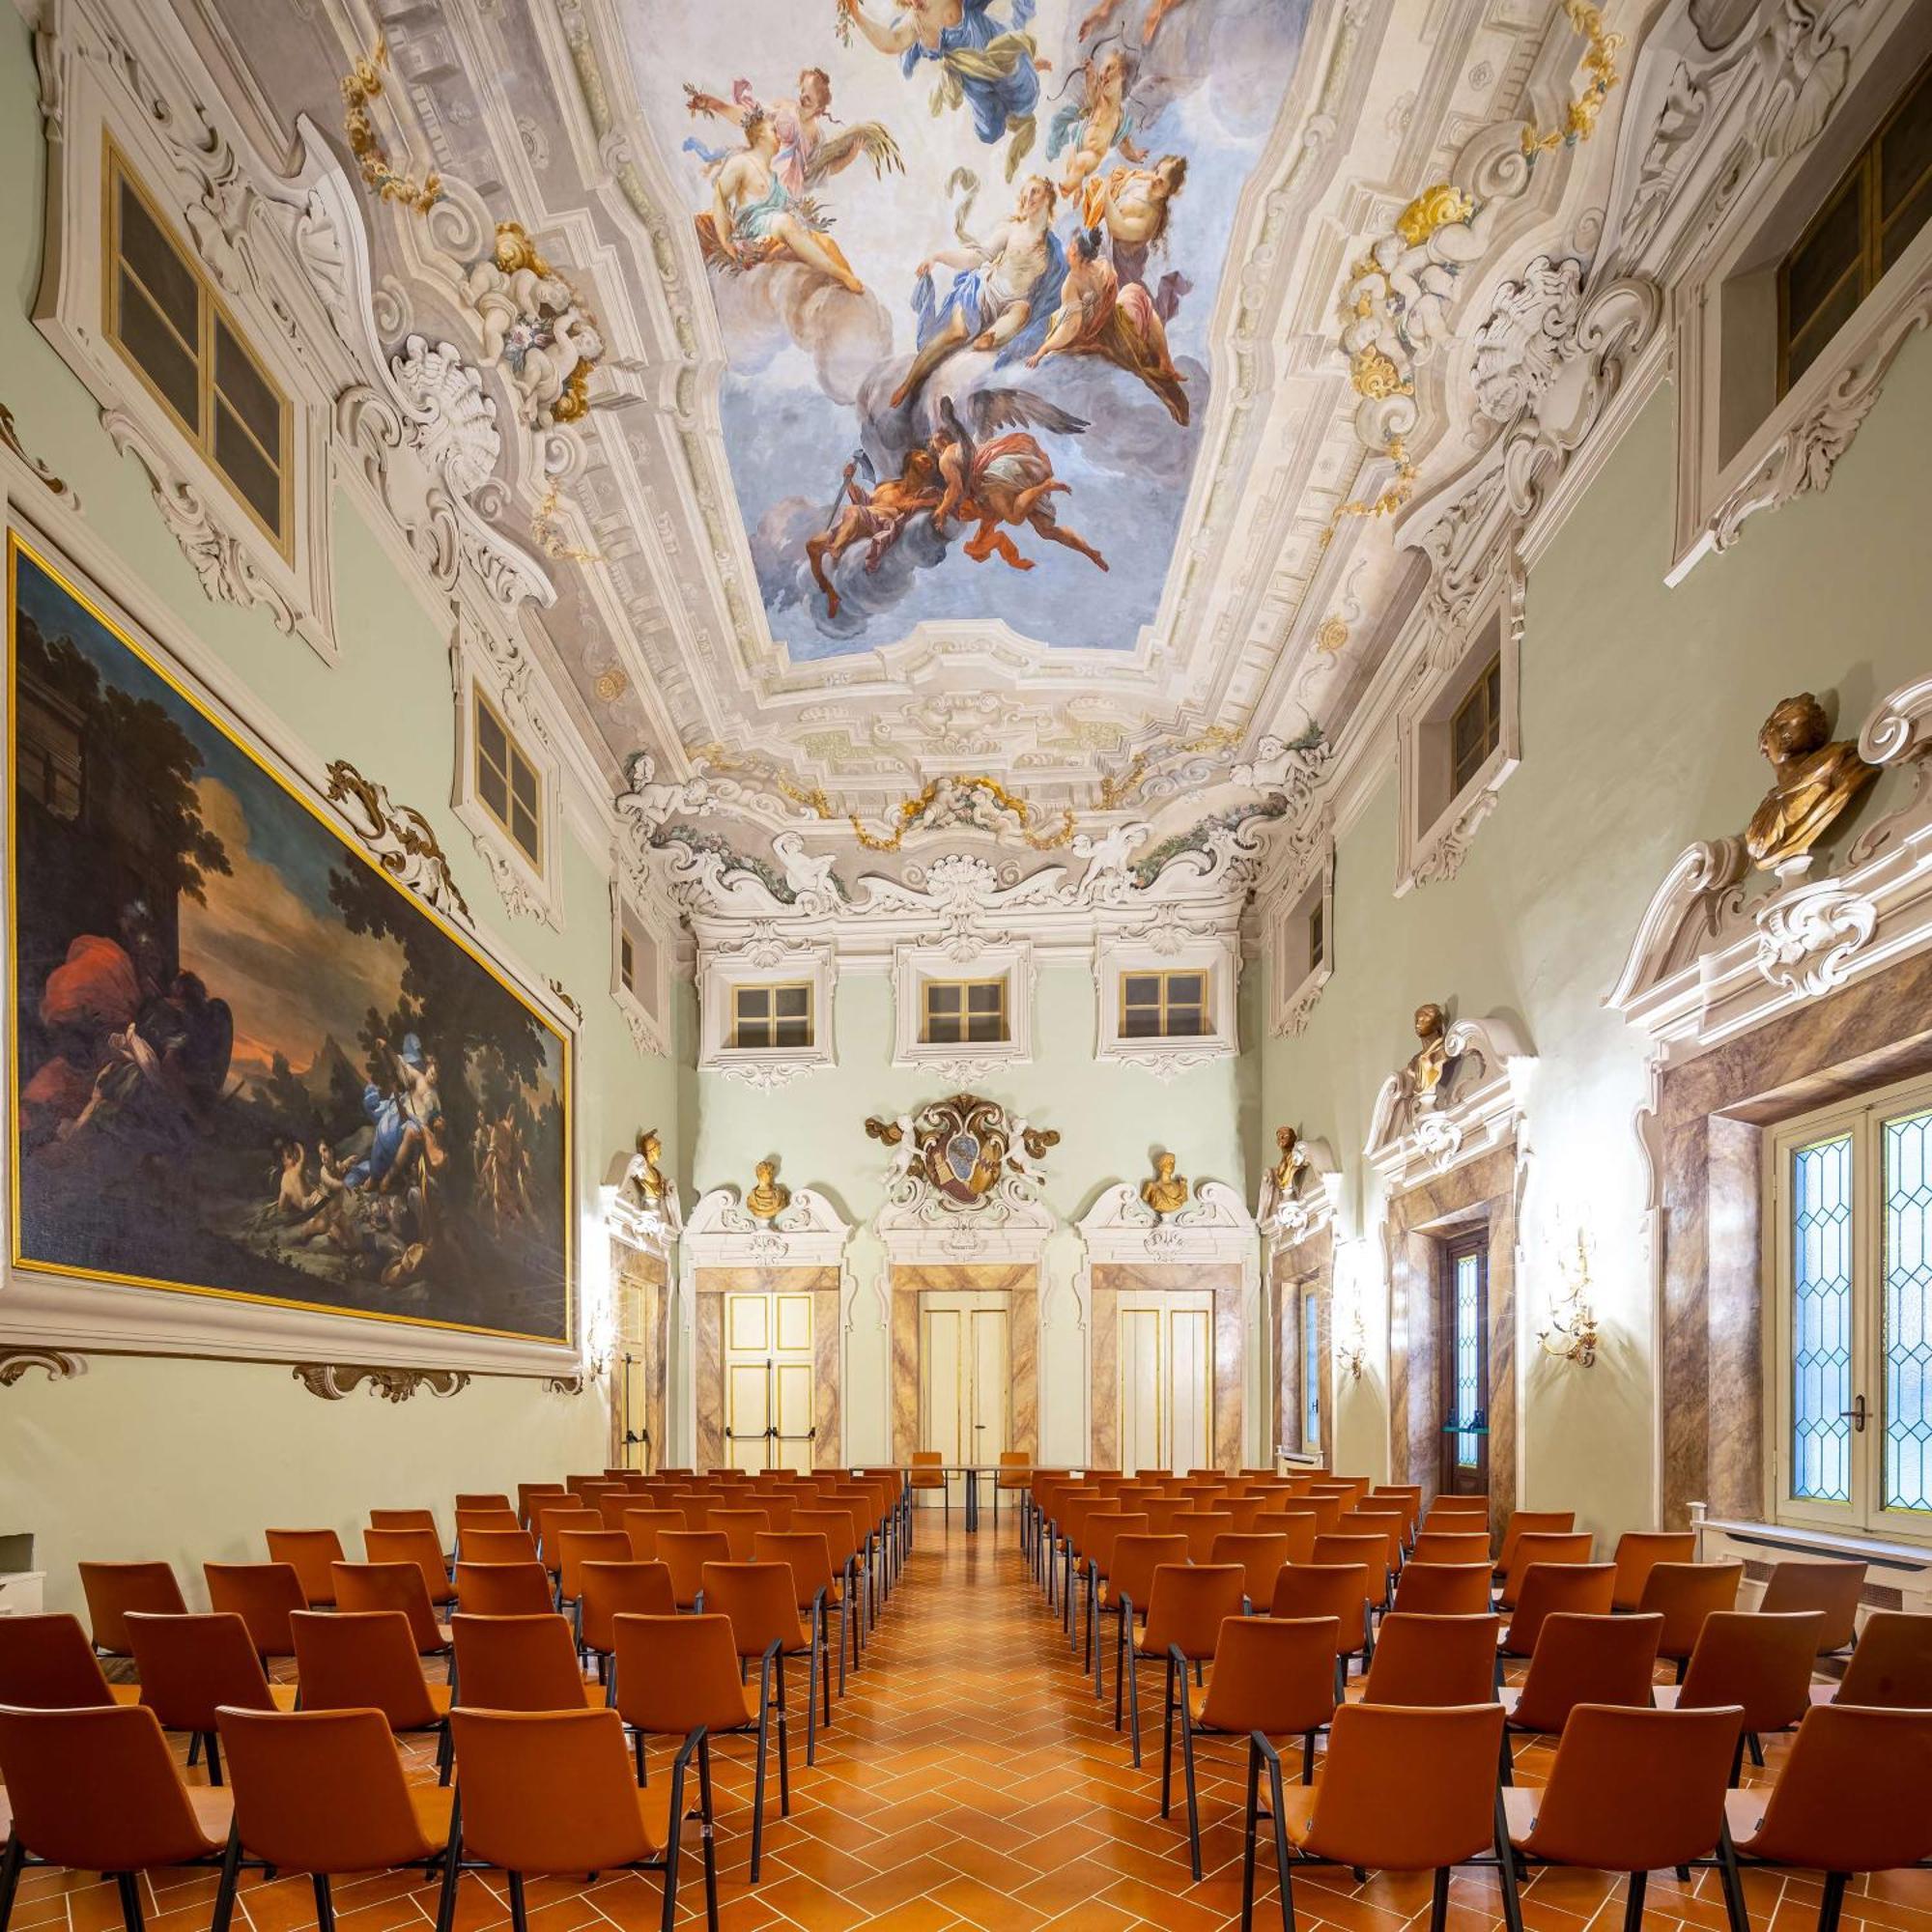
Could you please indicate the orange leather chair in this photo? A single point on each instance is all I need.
(1186, 1607)
(815, 1588)
(685, 1554)
(1296, 1528)
(97, 1790)
(578, 1547)
(1433, 1662)
(323, 1791)
(1851, 1798)
(1547, 1547)
(1833, 1589)
(1684, 1594)
(670, 1676)
(1582, 1660)
(1638, 1552)
(841, 1539)
(1104, 1529)
(1262, 1557)
(417, 1545)
(496, 1546)
(739, 1527)
(1634, 1791)
(1582, 1588)
(503, 1590)
(191, 1664)
(1337, 1590)
(497, 1522)
(1124, 1591)
(1274, 1677)
(1201, 1526)
(46, 1664)
(1758, 1660)
(552, 1520)
(519, 1664)
(404, 1519)
(1532, 1522)
(1451, 1546)
(530, 1496)
(367, 1659)
(483, 1499)
(393, 1586)
(1370, 1553)
(1401, 1790)
(263, 1596)
(113, 1589)
(1443, 1589)
(760, 1601)
(309, 1553)
(611, 1590)
(641, 1524)
(1892, 1667)
(595, 1818)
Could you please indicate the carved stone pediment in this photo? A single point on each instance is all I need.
(1713, 957)
(1308, 1202)
(1215, 1226)
(1475, 1108)
(807, 1231)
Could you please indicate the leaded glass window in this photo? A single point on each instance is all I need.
(1468, 1356)
(1821, 1326)
(1311, 1374)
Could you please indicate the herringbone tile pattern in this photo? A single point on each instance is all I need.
(971, 1781)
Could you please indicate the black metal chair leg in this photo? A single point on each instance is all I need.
(12, 1858)
(709, 1835)
(325, 1903)
(1187, 1777)
(1639, 1884)
(1506, 1865)
(1737, 1914)
(1250, 1826)
(128, 1886)
(1278, 1808)
(784, 1748)
(214, 1758)
(1167, 1740)
(225, 1892)
(452, 1871)
(1830, 1912)
(758, 1787)
(1438, 1900)
(519, 1915)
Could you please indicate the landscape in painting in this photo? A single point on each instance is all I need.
(965, 255)
(245, 1062)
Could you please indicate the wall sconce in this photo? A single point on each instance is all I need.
(1352, 1353)
(1352, 1334)
(1571, 1334)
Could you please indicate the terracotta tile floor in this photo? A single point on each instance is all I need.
(971, 1781)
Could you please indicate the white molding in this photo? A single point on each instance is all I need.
(1167, 944)
(1215, 1226)
(649, 1022)
(1292, 1003)
(963, 957)
(922, 1226)
(1309, 1204)
(1477, 1108)
(751, 956)
(807, 1231)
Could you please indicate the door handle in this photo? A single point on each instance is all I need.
(1856, 1412)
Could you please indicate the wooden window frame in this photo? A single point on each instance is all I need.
(929, 986)
(1484, 695)
(505, 820)
(1163, 1006)
(738, 988)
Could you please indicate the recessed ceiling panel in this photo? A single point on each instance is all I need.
(966, 257)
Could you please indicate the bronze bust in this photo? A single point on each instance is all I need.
(1817, 780)
(1164, 1190)
(767, 1199)
(1423, 1076)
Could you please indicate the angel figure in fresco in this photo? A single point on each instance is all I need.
(1097, 123)
(1098, 17)
(1098, 316)
(1004, 290)
(754, 219)
(807, 154)
(993, 69)
(873, 516)
(1003, 478)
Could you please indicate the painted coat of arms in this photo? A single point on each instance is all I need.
(962, 1147)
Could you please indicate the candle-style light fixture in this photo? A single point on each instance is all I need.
(1570, 1334)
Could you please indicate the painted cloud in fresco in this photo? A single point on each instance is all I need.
(965, 255)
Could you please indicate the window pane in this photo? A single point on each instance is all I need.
(256, 481)
(247, 390)
(491, 742)
(1906, 224)
(523, 781)
(1141, 1023)
(1905, 156)
(1141, 989)
(1316, 937)
(942, 997)
(1908, 1311)
(1825, 323)
(1311, 1373)
(1823, 258)
(1186, 1022)
(627, 966)
(1468, 1356)
(793, 1001)
(1821, 1321)
(982, 1028)
(155, 259)
(753, 1033)
(985, 999)
(1187, 989)
(753, 1002)
(491, 789)
(794, 1032)
(156, 351)
(524, 830)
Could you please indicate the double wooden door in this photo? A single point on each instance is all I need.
(769, 1370)
(965, 1376)
(1166, 1382)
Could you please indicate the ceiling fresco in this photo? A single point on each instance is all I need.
(965, 255)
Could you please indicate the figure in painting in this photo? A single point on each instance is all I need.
(874, 517)
(1097, 122)
(807, 152)
(1005, 478)
(1098, 17)
(1004, 290)
(1098, 316)
(754, 219)
(1132, 207)
(1164, 1190)
(1816, 782)
(992, 69)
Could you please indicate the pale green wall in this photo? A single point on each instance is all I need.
(191, 1460)
(1111, 1118)
(1640, 708)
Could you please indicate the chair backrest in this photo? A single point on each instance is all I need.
(805, 1553)
(516, 1663)
(113, 1589)
(552, 1520)
(1338, 1590)
(550, 1791)
(1188, 1604)
(503, 1590)
(641, 1524)
(1433, 1660)
(1276, 1676)
(1014, 1467)
(1408, 1790)
(362, 1660)
(1104, 1528)
(1684, 1594)
(1586, 1660)
(1391, 1524)
(739, 1527)
(321, 1791)
(308, 1552)
(1451, 1546)
(1833, 1589)
(1371, 1552)
(1640, 1551)
(262, 1595)
(482, 1499)
(421, 1547)
(622, 1589)
(1200, 1527)
(836, 1526)
(1443, 1589)
(1544, 1588)
(1546, 1547)
(469, 1520)
(497, 1546)
(1892, 1667)
(761, 1600)
(685, 1554)
(96, 1788)
(1758, 1658)
(1163, 1514)
(1636, 1790)
(1298, 1531)
(192, 1663)
(578, 1547)
(1851, 1797)
(391, 1586)
(404, 1519)
(777, 1501)
(1136, 1558)
(46, 1664)
(1533, 1522)
(1261, 1557)
(532, 1496)
(674, 1673)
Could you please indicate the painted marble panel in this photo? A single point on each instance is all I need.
(1020, 1282)
(1223, 1280)
(822, 1283)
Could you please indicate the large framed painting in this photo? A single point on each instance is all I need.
(245, 1062)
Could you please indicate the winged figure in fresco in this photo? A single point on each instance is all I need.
(1121, 324)
(996, 473)
(875, 516)
(807, 153)
(1097, 121)
(755, 218)
(990, 67)
(1157, 11)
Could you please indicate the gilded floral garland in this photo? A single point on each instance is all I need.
(360, 85)
(1600, 63)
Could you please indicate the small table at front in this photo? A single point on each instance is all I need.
(971, 1472)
